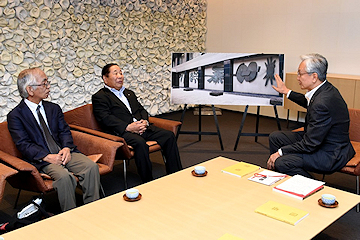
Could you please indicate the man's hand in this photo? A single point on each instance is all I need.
(271, 161)
(65, 155)
(53, 158)
(62, 158)
(138, 127)
(280, 88)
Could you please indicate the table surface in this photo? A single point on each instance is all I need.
(181, 206)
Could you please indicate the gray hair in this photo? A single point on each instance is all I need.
(315, 63)
(26, 78)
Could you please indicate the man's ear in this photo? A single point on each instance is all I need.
(315, 76)
(30, 90)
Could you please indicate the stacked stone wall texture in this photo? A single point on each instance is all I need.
(71, 40)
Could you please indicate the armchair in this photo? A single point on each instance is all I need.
(83, 119)
(28, 177)
(353, 166)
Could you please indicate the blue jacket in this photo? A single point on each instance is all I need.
(27, 135)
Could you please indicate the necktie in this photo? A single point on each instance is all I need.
(53, 147)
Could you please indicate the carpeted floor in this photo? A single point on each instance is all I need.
(193, 152)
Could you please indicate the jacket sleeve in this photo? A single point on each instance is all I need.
(298, 98)
(30, 149)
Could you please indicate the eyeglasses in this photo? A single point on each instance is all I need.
(300, 74)
(45, 84)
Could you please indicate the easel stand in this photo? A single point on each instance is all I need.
(199, 133)
(256, 134)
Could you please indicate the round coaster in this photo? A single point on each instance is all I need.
(198, 175)
(132, 199)
(328, 205)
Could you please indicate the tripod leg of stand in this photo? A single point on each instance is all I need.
(277, 118)
(181, 120)
(217, 127)
(241, 127)
(257, 123)
(199, 123)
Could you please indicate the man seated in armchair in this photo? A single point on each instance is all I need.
(41, 134)
(120, 113)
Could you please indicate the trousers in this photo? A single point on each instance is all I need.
(166, 139)
(290, 164)
(65, 182)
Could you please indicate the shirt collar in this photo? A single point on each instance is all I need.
(32, 105)
(310, 94)
(116, 91)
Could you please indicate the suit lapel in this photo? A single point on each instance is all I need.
(116, 100)
(27, 114)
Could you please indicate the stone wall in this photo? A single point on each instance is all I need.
(72, 40)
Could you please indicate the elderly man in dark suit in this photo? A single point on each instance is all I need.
(41, 134)
(119, 112)
(324, 145)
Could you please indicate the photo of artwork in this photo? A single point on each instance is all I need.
(226, 78)
(214, 77)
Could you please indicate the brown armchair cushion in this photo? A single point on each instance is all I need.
(82, 119)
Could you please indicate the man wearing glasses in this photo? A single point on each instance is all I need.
(324, 145)
(41, 134)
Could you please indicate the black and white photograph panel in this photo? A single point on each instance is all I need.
(226, 78)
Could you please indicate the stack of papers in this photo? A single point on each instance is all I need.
(241, 169)
(267, 177)
(299, 187)
(282, 212)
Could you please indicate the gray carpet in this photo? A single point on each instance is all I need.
(193, 152)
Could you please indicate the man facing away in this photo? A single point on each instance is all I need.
(324, 145)
(41, 134)
(119, 112)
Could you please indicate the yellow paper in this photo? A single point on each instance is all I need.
(282, 212)
(240, 169)
(228, 236)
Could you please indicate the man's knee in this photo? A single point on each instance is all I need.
(275, 135)
(66, 178)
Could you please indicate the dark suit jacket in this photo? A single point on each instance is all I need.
(112, 113)
(27, 135)
(325, 144)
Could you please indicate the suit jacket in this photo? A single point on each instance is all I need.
(326, 144)
(28, 137)
(111, 112)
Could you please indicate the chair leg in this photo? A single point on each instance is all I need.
(124, 161)
(163, 157)
(358, 193)
(102, 191)
(17, 199)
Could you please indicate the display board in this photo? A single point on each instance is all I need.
(226, 78)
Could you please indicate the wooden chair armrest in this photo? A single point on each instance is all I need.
(165, 124)
(298, 129)
(90, 144)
